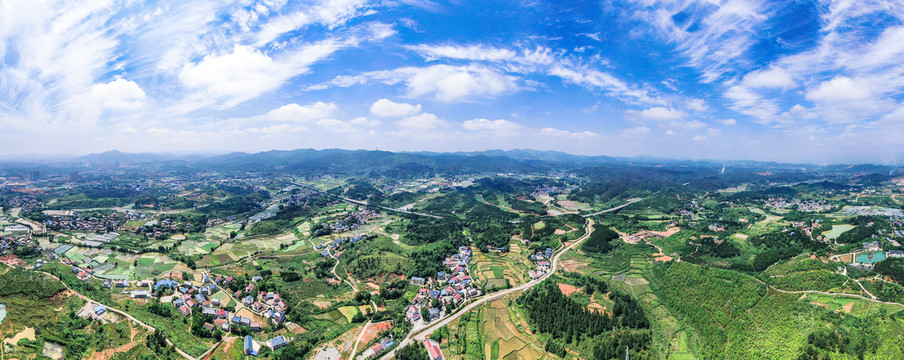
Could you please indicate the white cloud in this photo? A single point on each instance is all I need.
(693, 124)
(552, 132)
(119, 94)
(336, 125)
(715, 35)
(470, 52)
(425, 121)
(388, 108)
(298, 113)
(801, 112)
(769, 78)
(671, 133)
(327, 12)
(729, 122)
(697, 105)
(604, 81)
(445, 83)
(363, 121)
(541, 60)
(244, 74)
(638, 131)
(453, 84)
(493, 126)
(658, 114)
(841, 88)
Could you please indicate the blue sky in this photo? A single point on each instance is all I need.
(794, 80)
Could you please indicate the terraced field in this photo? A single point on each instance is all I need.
(503, 339)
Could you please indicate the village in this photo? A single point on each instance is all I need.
(443, 293)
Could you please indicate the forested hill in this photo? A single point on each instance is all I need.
(380, 163)
(699, 174)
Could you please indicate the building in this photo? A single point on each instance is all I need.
(419, 281)
(255, 326)
(100, 310)
(433, 350)
(249, 346)
(895, 254)
(278, 342)
(873, 246)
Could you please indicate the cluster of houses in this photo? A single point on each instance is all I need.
(353, 220)
(448, 288)
(802, 205)
(339, 243)
(377, 348)
(143, 291)
(541, 263)
(99, 224)
(808, 227)
(188, 297)
(269, 305)
(252, 347)
(545, 190)
(159, 229)
(7, 243)
(81, 274)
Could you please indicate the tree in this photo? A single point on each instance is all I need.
(414, 351)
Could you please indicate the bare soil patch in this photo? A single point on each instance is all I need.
(568, 289)
(375, 330)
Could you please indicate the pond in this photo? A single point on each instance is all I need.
(871, 258)
(2, 312)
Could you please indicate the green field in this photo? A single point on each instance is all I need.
(349, 312)
(837, 230)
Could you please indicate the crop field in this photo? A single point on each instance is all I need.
(837, 230)
(503, 339)
(349, 312)
(191, 247)
(851, 305)
(153, 264)
(803, 273)
(494, 269)
(332, 315)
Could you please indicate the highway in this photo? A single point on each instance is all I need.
(630, 201)
(364, 203)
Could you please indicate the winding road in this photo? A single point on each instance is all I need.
(126, 315)
(423, 332)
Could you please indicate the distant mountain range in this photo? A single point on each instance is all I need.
(425, 163)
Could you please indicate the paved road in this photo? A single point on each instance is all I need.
(421, 334)
(630, 201)
(364, 203)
